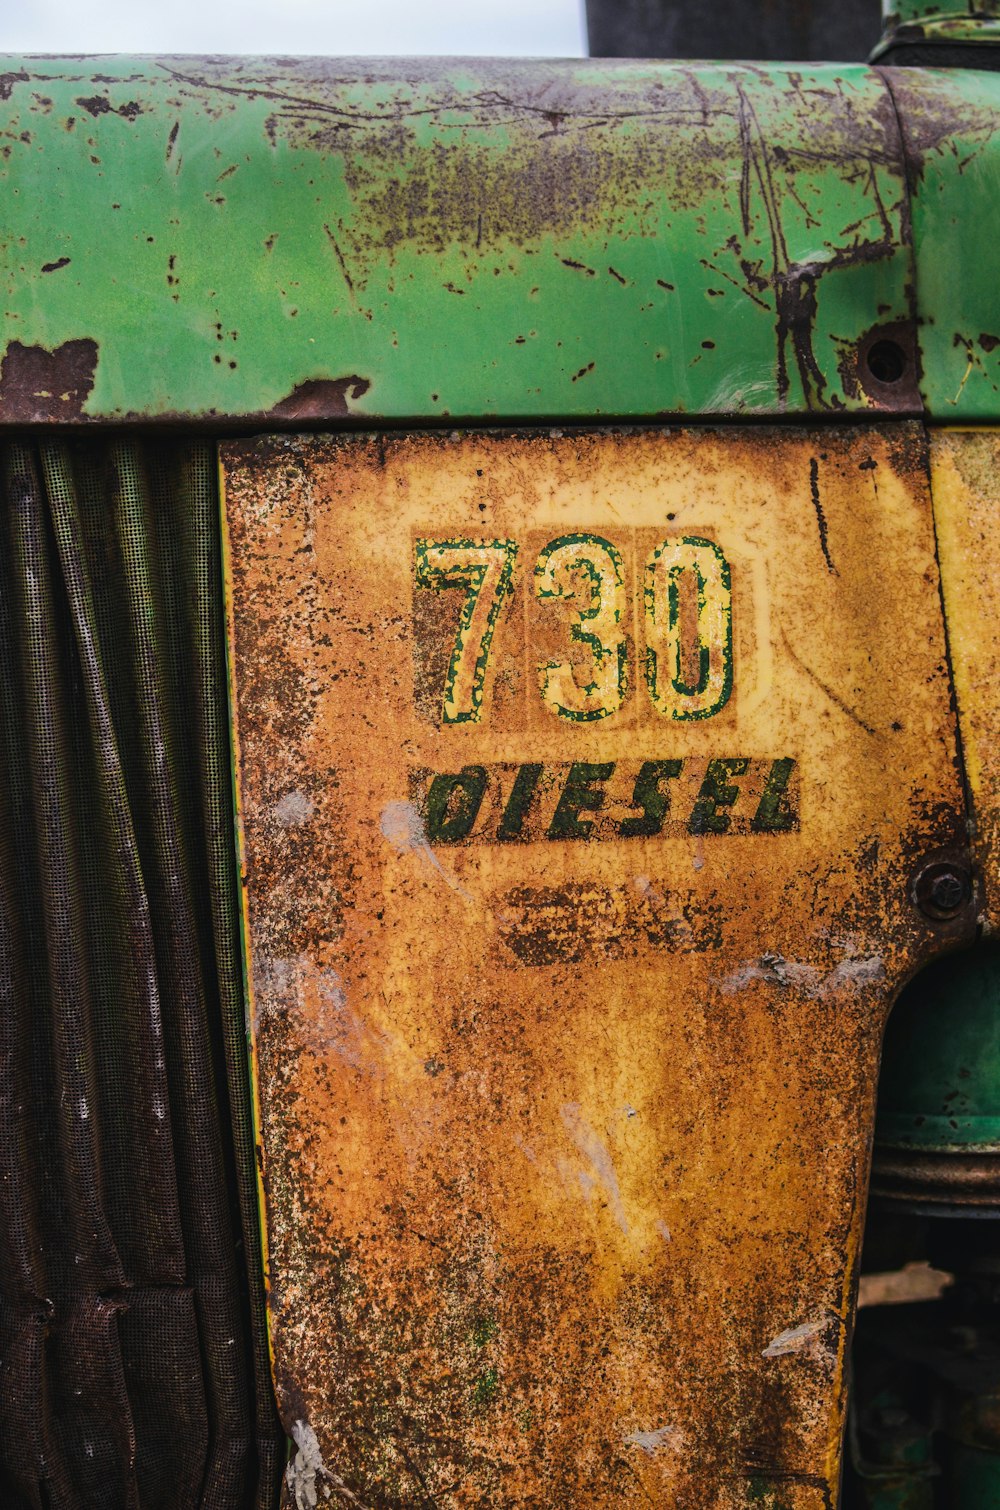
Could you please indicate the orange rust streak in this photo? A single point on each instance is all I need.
(963, 475)
(566, 1141)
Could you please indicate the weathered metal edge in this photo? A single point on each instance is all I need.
(949, 119)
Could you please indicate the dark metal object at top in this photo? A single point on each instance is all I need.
(774, 30)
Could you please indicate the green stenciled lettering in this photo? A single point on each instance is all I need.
(774, 813)
(717, 792)
(585, 574)
(648, 795)
(519, 802)
(578, 796)
(483, 570)
(689, 666)
(453, 804)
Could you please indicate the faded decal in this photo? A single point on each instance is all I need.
(607, 800)
(569, 620)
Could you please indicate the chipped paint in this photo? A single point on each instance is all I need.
(435, 240)
(38, 386)
(551, 1169)
(948, 120)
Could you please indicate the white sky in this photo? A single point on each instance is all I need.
(526, 28)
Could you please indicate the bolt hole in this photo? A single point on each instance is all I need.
(886, 361)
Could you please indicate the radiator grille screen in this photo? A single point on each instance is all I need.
(133, 1358)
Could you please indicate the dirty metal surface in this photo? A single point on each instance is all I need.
(917, 14)
(583, 782)
(304, 241)
(965, 472)
(949, 120)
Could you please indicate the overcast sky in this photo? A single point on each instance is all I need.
(526, 28)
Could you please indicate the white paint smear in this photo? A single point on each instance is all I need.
(308, 1477)
(652, 1441)
(807, 979)
(306, 1474)
(403, 826)
(795, 1338)
(293, 809)
(597, 1156)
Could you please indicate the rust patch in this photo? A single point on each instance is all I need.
(320, 398)
(566, 1128)
(40, 387)
(547, 925)
(8, 80)
(964, 468)
(99, 104)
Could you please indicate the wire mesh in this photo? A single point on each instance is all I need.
(133, 1352)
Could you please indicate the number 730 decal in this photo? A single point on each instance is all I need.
(686, 612)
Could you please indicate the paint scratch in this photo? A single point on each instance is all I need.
(820, 515)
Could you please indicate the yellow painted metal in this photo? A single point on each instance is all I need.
(584, 779)
(965, 471)
(244, 899)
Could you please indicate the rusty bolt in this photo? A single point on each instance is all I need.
(941, 890)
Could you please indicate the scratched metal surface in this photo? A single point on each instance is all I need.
(964, 467)
(949, 124)
(567, 1106)
(294, 241)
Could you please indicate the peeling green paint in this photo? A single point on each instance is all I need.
(412, 240)
(948, 118)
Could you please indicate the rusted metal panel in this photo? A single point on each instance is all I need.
(965, 466)
(585, 782)
(303, 241)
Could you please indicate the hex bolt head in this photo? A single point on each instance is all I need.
(942, 889)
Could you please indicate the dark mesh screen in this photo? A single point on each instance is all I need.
(133, 1354)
